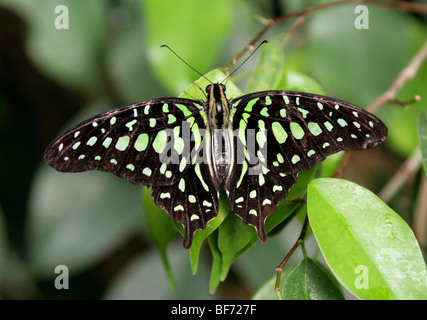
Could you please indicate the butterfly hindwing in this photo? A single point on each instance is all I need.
(255, 196)
(303, 129)
(192, 200)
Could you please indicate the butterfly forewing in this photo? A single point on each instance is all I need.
(141, 142)
(303, 129)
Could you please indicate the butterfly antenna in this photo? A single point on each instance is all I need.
(166, 46)
(234, 71)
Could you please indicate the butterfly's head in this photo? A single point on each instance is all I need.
(214, 89)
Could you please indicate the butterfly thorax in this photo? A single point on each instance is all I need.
(219, 124)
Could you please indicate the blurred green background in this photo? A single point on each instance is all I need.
(109, 56)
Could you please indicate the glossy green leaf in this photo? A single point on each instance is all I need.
(266, 291)
(422, 134)
(216, 268)
(309, 281)
(197, 89)
(201, 235)
(234, 234)
(268, 71)
(187, 36)
(296, 81)
(369, 248)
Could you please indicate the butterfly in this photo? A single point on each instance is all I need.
(253, 146)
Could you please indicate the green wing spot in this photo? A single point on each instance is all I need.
(160, 141)
(342, 122)
(250, 104)
(244, 169)
(184, 109)
(171, 118)
(106, 143)
(178, 144)
(141, 142)
(199, 175)
(122, 143)
(165, 108)
(279, 132)
(297, 131)
(304, 112)
(264, 112)
(91, 141)
(295, 159)
(328, 126)
(242, 130)
(314, 128)
(153, 122)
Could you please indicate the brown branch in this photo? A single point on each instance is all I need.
(406, 170)
(404, 6)
(406, 74)
(300, 239)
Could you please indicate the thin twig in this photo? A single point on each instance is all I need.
(405, 6)
(339, 173)
(279, 269)
(406, 74)
(390, 96)
(406, 170)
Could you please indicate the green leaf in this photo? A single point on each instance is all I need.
(201, 235)
(296, 81)
(234, 234)
(368, 247)
(422, 134)
(266, 291)
(216, 269)
(187, 36)
(196, 90)
(309, 281)
(268, 71)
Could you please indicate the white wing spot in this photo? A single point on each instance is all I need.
(253, 211)
(76, 145)
(266, 201)
(92, 141)
(165, 195)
